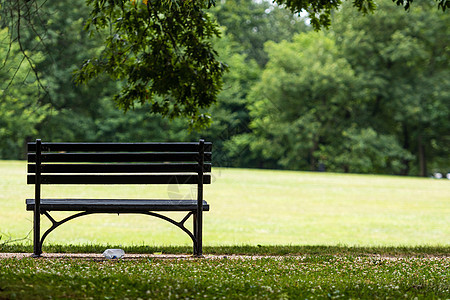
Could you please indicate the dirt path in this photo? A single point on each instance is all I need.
(131, 256)
(95, 256)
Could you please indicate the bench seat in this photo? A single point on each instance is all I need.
(116, 205)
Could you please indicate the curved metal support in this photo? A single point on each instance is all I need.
(56, 224)
(178, 224)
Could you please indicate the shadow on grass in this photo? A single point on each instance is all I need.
(240, 250)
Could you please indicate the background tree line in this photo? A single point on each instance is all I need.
(369, 95)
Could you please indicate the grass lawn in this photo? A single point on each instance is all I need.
(348, 273)
(254, 207)
(300, 229)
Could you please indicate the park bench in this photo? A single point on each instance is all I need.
(114, 164)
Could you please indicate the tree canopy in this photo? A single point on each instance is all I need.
(320, 11)
(368, 95)
(161, 51)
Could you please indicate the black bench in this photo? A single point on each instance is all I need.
(119, 163)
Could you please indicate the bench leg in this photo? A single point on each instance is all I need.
(37, 246)
(198, 232)
(194, 216)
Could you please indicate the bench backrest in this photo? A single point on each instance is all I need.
(119, 163)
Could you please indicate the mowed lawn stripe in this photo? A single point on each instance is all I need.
(254, 207)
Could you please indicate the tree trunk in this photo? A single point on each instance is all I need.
(313, 161)
(422, 158)
(346, 169)
(405, 170)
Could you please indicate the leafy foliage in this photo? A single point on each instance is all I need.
(357, 98)
(162, 52)
(402, 62)
(19, 112)
(253, 23)
(320, 11)
(370, 98)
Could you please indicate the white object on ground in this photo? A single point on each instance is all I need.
(113, 253)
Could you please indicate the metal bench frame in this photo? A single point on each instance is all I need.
(119, 163)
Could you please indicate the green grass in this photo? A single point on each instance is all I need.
(258, 250)
(301, 277)
(254, 207)
(378, 237)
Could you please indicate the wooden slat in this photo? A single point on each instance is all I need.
(115, 205)
(119, 179)
(120, 147)
(119, 157)
(119, 168)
